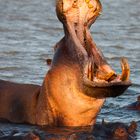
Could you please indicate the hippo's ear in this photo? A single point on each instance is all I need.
(132, 128)
(49, 62)
(104, 122)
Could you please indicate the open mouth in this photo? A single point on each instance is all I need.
(77, 16)
(97, 71)
(100, 79)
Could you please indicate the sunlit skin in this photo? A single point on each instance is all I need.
(79, 79)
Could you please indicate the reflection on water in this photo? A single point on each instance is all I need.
(29, 29)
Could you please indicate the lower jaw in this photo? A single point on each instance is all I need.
(104, 90)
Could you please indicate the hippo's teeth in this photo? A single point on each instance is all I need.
(90, 71)
(125, 69)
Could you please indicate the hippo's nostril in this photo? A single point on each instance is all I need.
(120, 132)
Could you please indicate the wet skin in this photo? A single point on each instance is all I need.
(103, 131)
(79, 79)
(135, 105)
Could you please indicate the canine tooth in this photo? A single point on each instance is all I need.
(125, 69)
(90, 71)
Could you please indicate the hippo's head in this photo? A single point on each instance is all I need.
(97, 75)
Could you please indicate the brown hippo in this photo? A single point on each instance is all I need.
(135, 105)
(78, 81)
(102, 131)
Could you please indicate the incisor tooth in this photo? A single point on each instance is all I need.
(125, 69)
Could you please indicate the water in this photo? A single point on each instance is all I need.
(29, 29)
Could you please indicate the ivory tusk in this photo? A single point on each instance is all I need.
(125, 69)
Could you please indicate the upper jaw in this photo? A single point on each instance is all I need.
(85, 11)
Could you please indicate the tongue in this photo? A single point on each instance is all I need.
(105, 73)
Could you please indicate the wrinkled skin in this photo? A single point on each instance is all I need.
(18, 102)
(78, 81)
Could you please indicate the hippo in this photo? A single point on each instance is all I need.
(135, 105)
(78, 81)
(101, 131)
